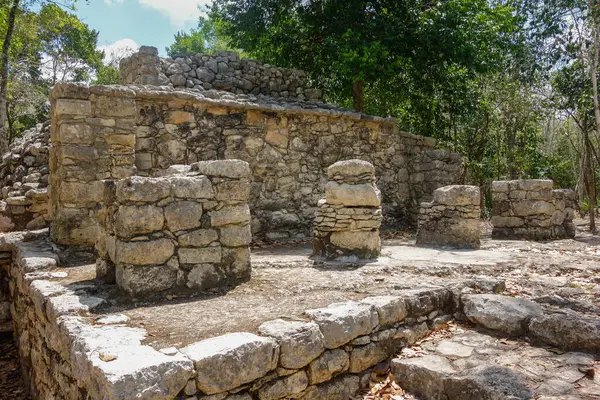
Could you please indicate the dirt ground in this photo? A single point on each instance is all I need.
(11, 381)
(286, 282)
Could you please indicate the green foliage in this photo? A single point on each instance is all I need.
(209, 37)
(107, 75)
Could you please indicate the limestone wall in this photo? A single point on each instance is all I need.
(24, 180)
(220, 71)
(103, 132)
(452, 218)
(180, 232)
(530, 209)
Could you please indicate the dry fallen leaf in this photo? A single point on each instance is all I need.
(107, 357)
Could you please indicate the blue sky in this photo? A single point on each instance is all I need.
(128, 24)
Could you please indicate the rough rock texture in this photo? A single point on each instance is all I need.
(173, 232)
(112, 132)
(347, 220)
(502, 313)
(24, 179)
(451, 219)
(530, 209)
(567, 331)
(221, 71)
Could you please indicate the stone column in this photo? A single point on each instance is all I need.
(347, 220)
(182, 232)
(143, 68)
(93, 138)
(451, 219)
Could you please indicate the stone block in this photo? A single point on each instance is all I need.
(300, 342)
(330, 364)
(192, 187)
(367, 242)
(535, 207)
(76, 134)
(115, 106)
(342, 322)
(152, 252)
(72, 107)
(200, 255)
(535, 185)
(457, 195)
(133, 220)
(390, 309)
(350, 168)
(284, 387)
(239, 214)
(364, 194)
(141, 189)
(230, 361)
(198, 238)
(145, 279)
(236, 235)
(234, 169)
(183, 215)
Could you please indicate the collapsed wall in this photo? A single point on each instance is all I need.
(102, 132)
(24, 180)
(221, 71)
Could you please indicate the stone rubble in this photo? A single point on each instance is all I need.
(221, 71)
(178, 232)
(531, 209)
(451, 219)
(24, 178)
(347, 220)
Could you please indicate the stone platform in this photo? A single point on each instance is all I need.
(301, 328)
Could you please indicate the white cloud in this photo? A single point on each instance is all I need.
(114, 52)
(179, 11)
(113, 2)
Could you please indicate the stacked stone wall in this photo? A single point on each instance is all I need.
(531, 209)
(221, 71)
(67, 353)
(5, 318)
(451, 219)
(24, 180)
(179, 232)
(104, 132)
(347, 220)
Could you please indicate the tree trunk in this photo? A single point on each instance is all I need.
(590, 182)
(594, 76)
(12, 14)
(357, 88)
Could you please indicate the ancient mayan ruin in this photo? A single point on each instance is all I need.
(210, 229)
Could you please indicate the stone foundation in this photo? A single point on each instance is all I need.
(451, 219)
(530, 209)
(188, 231)
(347, 220)
(68, 354)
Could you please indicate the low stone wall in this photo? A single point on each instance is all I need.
(452, 218)
(221, 71)
(67, 354)
(347, 220)
(5, 318)
(530, 209)
(24, 179)
(184, 231)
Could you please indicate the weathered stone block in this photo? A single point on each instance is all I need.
(200, 255)
(300, 342)
(143, 279)
(365, 194)
(350, 168)
(390, 309)
(192, 187)
(132, 220)
(457, 195)
(331, 363)
(199, 238)
(140, 189)
(157, 251)
(366, 243)
(234, 169)
(72, 107)
(229, 361)
(230, 215)
(183, 215)
(342, 322)
(236, 235)
(284, 387)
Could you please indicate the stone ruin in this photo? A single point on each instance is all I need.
(221, 71)
(183, 231)
(347, 220)
(170, 185)
(531, 209)
(452, 219)
(24, 177)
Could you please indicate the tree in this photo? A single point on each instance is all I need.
(353, 46)
(208, 37)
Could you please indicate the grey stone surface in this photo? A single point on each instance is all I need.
(506, 314)
(299, 342)
(342, 322)
(567, 330)
(229, 361)
(328, 365)
(284, 387)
